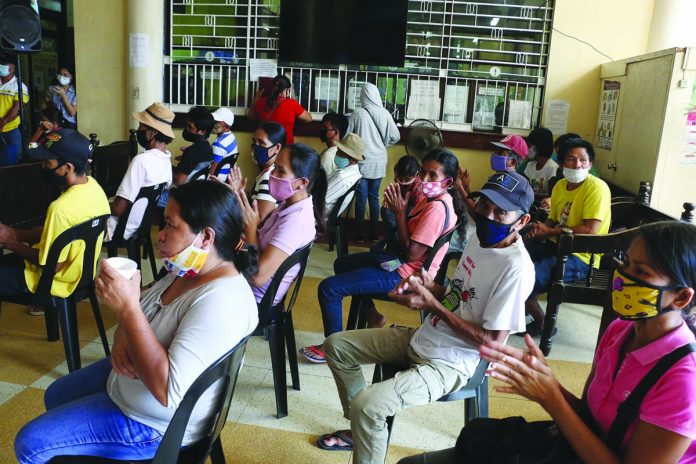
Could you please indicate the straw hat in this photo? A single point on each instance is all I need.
(353, 146)
(157, 116)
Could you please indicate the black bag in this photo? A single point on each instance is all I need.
(513, 440)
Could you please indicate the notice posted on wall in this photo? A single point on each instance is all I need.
(688, 154)
(607, 114)
(556, 116)
(138, 45)
(261, 67)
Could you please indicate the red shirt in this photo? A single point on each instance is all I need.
(285, 113)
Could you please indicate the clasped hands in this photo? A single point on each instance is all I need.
(415, 291)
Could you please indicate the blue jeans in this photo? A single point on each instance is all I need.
(356, 274)
(544, 258)
(367, 189)
(10, 147)
(81, 419)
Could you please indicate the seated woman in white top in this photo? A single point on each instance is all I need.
(120, 407)
(267, 142)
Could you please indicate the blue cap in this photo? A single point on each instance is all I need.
(64, 146)
(508, 190)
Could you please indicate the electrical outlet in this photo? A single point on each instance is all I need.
(135, 93)
(682, 84)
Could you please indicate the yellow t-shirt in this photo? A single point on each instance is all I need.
(592, 200)
(76, 205)
(8, 96)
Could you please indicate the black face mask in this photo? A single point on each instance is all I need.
(143, 141)
(50, 176)
(191, 137)
(322, 135)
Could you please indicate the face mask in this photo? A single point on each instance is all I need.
(50, 176)
(531, 153)
(191, 137)
(322, 135)
(4, 70)
(575, 176)
(188, 262)
(261, 155)
(634, 299)
(499, 163)
(143, 141)
(490, 232)
(280, 189)
(434, 189)
(63, 80)
(341, 162)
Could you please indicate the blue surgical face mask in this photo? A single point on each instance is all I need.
(341, 162)
(4, 70)
(499, 163)
(490, 232)
(260, 154)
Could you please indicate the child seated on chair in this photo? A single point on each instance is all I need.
(225, 145)
(120, 407)
(406, 175)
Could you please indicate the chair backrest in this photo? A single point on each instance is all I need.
(109, 165)
(439, 243)
(442, 272)
(25, 194)
(226, 370)
(629, 214)
(149, 195)
(266, 304)
(332, 219)
(88, 231)
(226, 162)
(200, 172)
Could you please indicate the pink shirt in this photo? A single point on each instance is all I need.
(288, 228)
(425, 225)
(670, 404)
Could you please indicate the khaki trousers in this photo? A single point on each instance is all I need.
(367, 407)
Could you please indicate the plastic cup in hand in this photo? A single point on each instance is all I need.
(126, 267)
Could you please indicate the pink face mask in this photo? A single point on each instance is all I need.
(280, 189)
(436, 188)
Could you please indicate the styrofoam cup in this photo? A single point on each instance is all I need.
(126, 267)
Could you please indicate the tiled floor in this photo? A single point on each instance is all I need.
(28, 364)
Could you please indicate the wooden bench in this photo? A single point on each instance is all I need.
(25, 195)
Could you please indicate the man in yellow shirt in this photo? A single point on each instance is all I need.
(580, 202)
(10, 137)
(64, 156)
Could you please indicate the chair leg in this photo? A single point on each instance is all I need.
(482, 395)
(133, 248)
(289, 329)
(151, 256)
(98, 320)
(111, 251)
(353, 313)
(217, 456)
(51, 320)
(555, 297)
(67, 315)
(277, 347)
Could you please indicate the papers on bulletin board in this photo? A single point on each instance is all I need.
(607, 114)
(353, 95)
(556, 117)
(688, 154)
(262, 67)
(520, 114)
(423, 107)
(326, 88)
(138, 50)
(456, 100)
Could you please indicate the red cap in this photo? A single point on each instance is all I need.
(514, 143)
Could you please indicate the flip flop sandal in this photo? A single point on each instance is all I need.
(342, 434)
(313, 354)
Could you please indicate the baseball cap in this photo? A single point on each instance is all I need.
(508, 190)
(514, 143)
(64, 146)
(224, 115)
(353, 146)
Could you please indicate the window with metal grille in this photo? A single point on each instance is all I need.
(469, 65)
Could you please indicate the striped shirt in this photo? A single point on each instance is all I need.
(338, 184)
(225, 145)
(261, 192)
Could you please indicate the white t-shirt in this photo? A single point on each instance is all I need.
(196, 329)
(327, 160)
(488, 289)
(539, 179)
(338, 184)
(151, 167)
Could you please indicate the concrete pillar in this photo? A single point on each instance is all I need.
(672, 24)
(145, 66)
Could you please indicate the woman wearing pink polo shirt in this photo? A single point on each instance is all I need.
(654, 297)
(435, 212)
(290, 226)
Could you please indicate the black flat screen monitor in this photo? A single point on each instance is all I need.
(371, 32)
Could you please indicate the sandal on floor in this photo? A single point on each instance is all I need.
(313, 354)
(343, 435)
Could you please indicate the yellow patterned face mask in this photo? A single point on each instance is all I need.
(634, 299)
(188, 262)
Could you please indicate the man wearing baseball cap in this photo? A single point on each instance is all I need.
(349, 151)
(226, 143)
(512, 150)
(64, 157)
(484, 301)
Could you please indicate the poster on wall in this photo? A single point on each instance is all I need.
(688, 154)
(556, 116)
(607, 115)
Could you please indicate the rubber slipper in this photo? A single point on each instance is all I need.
(342, 434)
(313, 354)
